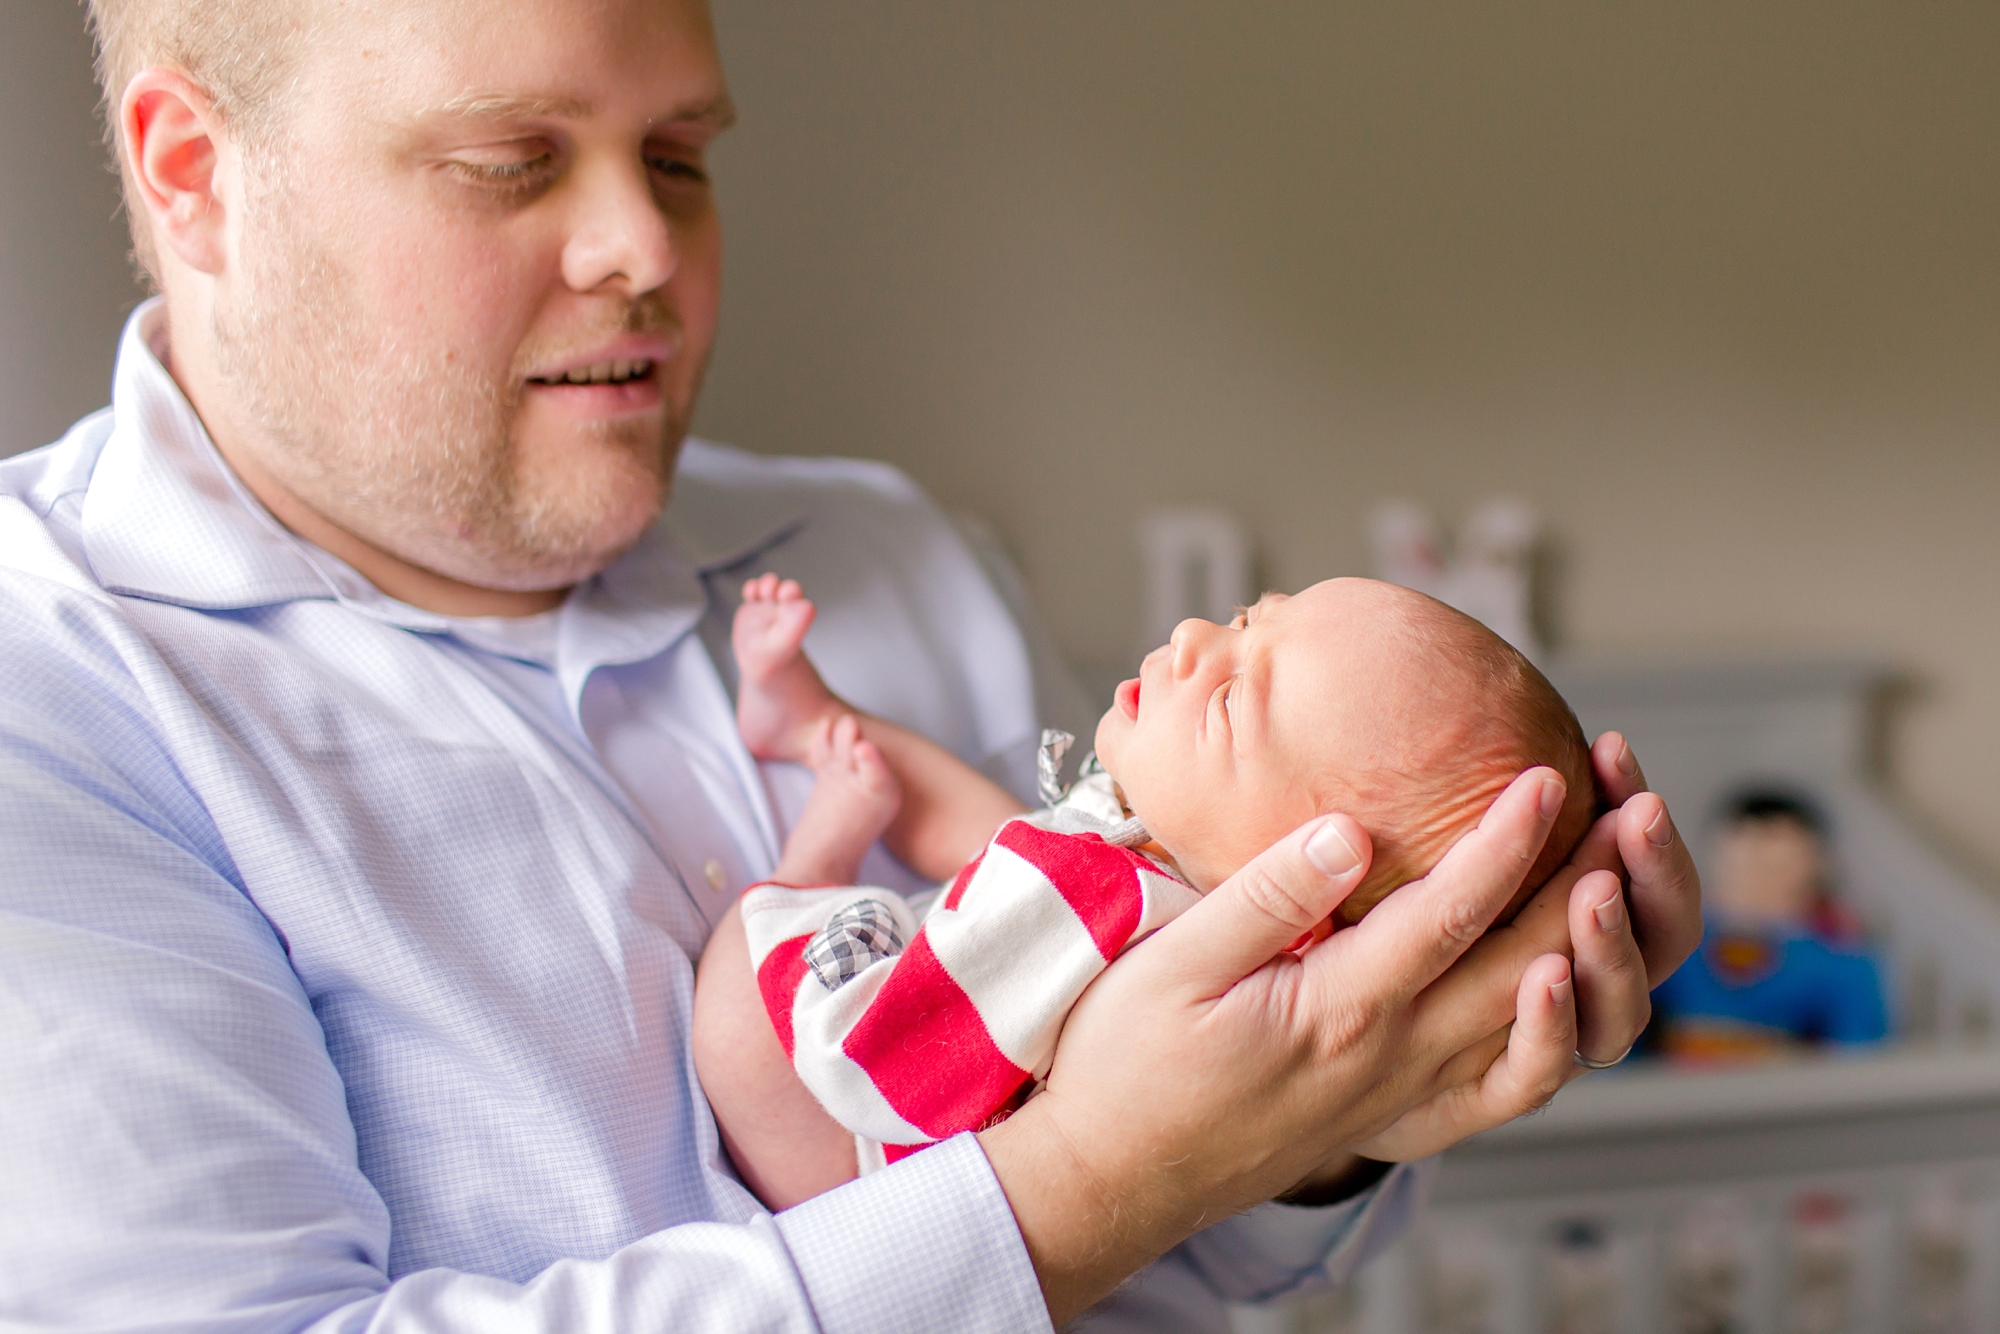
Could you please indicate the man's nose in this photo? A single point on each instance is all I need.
(1188, 641)
(621, 235)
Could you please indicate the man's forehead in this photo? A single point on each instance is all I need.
(568, 59)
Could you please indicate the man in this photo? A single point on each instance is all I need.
(367, 785)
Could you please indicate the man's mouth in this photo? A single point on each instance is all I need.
(601, 372)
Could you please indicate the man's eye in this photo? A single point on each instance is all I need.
(678, 169)
(504, 174)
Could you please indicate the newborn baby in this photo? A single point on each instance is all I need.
(838, 1028)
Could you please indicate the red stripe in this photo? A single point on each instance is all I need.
(1099, 882)
(778, 983)
(923, 1044)
(896, 1153)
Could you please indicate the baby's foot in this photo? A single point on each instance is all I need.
(781, 703)
(854, 798)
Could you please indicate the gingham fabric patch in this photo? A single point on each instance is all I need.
(852, 939)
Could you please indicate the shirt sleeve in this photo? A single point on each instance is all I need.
(175, 1141)
(1269, 1252)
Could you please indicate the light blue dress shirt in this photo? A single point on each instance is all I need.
(346, 950)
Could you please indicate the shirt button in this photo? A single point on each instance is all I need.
(718, 879)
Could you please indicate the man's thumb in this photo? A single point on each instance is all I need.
(1263, 909)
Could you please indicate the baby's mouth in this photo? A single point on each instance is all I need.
(1127, 698)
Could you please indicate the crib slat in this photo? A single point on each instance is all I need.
(1982, 1279)
(1388, 1292)
(1764, 1276)
(1878, 1263)
(1641, 1294)
(1517, 1286)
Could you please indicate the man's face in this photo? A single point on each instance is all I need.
(474, 278)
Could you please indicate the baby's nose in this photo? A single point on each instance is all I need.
(1187, 642)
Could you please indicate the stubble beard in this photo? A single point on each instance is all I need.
(414, 450)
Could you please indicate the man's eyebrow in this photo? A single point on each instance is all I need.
(501, 106)
(717, 112)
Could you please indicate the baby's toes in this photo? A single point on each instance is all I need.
(752, 625)
(841, 739)
(872, 771)
(789, 623)
(819, 746)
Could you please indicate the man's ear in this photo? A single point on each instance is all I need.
(170, 132)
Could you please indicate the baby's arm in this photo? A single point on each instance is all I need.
(785, 1146)
(786, 712)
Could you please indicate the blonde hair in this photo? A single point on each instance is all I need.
(241, 53)
(1522, 721)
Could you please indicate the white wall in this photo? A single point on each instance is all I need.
(1716, 285)
(64, 283)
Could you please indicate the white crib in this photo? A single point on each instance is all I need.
(1858, 1194)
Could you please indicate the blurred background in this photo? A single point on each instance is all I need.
(1713, 289)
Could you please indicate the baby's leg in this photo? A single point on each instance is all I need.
(785, 1146)
(854, 798)
(783, 709)
(781, 703)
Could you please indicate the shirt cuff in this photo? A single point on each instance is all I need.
(1277, 1249)
(927, 1243)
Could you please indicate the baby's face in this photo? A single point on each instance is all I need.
(1234, 735)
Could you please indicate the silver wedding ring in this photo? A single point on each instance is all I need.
(1589, 1064)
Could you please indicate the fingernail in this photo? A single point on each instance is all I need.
(1331, 853)
(1628, 763)
(1661, 831)
(1559, 993)
(1610, 914)
(1553, 793)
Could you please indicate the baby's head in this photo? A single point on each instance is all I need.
(1352, 696)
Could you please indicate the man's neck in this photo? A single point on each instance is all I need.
(392, 575)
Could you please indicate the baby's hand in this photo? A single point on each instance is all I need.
(782, 705)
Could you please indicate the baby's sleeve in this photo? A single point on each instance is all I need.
(826, 937)
(909, 1044)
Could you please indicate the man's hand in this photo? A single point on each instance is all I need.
(1210, 1071)
(1622, 949)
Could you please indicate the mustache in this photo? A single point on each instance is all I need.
(649, 314)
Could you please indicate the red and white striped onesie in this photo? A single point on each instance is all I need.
(908, 1033)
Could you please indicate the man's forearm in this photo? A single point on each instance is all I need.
(1082, 1238)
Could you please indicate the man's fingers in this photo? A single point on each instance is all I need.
(1613, 1004)
(1541, 1051)
(1256, 914)
(1619, 777)
(1420, 929)
(1666, 889)
(1489, 1085)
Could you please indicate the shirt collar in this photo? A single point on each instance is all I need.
(165, 518)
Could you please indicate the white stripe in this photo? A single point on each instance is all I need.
(1166, 899)
(774, 914)
(1019, 951)
(821, 1021)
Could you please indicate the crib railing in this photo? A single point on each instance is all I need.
(1858, 1196)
